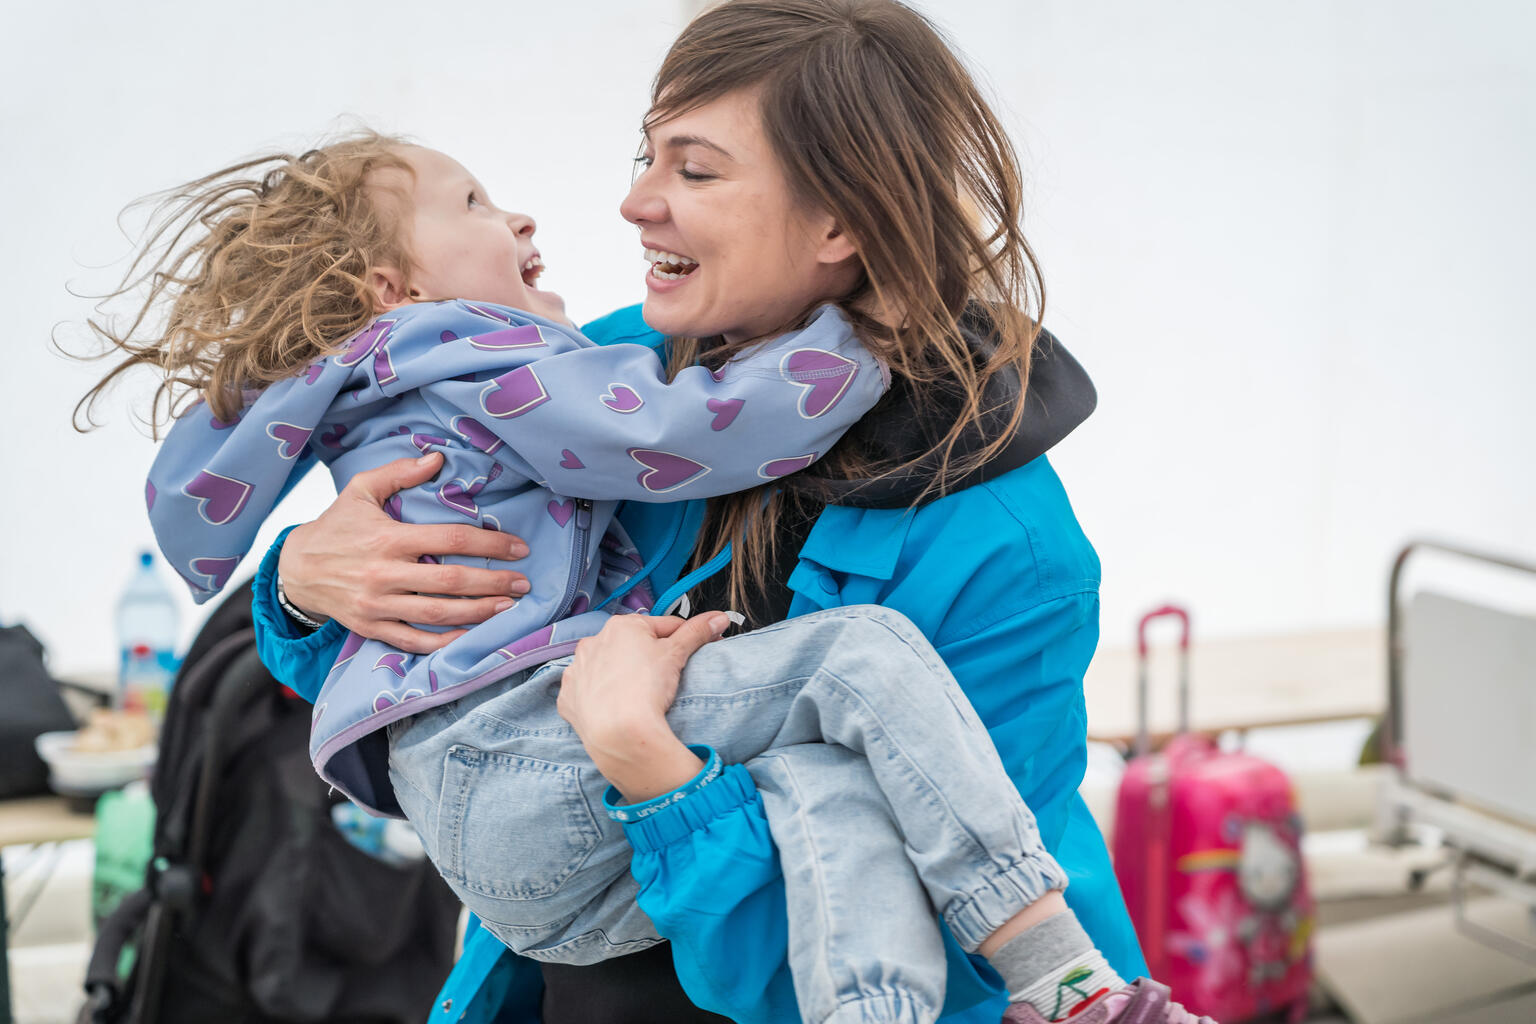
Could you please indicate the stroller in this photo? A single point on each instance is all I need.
(255, 908)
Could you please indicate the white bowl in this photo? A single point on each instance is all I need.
(73, 771)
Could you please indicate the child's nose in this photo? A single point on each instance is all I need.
(521, 224)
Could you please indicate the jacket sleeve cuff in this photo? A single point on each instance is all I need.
(689, 808)
(280, 641)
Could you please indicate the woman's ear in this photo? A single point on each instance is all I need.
(388, 286)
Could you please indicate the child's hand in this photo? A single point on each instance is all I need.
(616, 693)
(356, 564)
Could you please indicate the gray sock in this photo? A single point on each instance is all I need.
(1031, 954)
(1054, 966)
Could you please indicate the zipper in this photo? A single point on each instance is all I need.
(662, 550)
(578, 554)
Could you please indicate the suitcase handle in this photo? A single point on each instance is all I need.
(1392, 721)
(1167, 611)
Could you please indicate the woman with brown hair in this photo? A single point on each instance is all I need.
(858, 116)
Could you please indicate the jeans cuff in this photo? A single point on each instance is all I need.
(1001, 895)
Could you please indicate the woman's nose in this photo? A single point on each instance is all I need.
(643, 205)
(521, 224)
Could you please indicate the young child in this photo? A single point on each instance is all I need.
(365, 301)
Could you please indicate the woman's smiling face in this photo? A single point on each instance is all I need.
(729, 250)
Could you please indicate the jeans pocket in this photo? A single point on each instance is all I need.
(512, 827)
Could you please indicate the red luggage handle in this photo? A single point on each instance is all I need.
(1143, 738)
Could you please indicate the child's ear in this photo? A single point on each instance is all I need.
(836, 245)
(388, 286)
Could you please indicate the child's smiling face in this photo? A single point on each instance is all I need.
(461, 245)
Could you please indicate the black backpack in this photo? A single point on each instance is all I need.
(255, 909)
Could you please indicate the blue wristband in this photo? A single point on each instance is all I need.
(625, 813)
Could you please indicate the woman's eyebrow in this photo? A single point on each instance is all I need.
(683, 141)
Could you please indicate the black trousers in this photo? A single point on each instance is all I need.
(641, 988)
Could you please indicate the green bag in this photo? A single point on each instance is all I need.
(125, 840)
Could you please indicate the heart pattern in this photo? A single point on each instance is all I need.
(451, 496)
(313, 371)
(460, 496)
(531, 642)
(664, 471)
(221, 498)
(215, 570)
(486, 311)
(374, 341)
(477, 434)
(332, 438)
(561, 511)
(725, 410)
(527, 336)
(513, 393)
(349, 647)
(290, 438)
(784, 467)
(623, 398)
(394, 508)
(386, 700)
(424, 442)
(149, 495)
(568, 460)
(394, 661)
(824, 375)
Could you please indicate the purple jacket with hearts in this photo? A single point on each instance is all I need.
(543, 432)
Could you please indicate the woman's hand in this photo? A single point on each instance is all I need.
(357, 565)
(616, 693)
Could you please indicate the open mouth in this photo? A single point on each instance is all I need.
(670, 266)
(532, 269)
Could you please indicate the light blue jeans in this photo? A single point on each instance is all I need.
(883, 792)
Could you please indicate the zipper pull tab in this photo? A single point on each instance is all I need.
(583, 513)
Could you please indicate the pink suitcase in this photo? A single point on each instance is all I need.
(1207, 850)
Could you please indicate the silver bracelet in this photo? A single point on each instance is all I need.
(291, 610)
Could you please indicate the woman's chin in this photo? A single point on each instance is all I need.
(663, 314)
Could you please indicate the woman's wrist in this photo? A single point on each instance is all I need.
(292, 594)
(309, 620)
(642, 760)
(631, 813)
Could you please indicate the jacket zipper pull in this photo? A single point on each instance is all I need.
(583, 513)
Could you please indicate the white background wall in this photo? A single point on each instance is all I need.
(1291, 242)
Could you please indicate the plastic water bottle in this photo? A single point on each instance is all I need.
(147, 626)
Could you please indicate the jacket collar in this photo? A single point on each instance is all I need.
(858, 541)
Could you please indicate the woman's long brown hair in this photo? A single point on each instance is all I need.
(876, 121)
(249, 274)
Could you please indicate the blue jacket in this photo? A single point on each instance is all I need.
(1000, 577)
(542, 433)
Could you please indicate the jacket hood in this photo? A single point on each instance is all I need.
(902, 427)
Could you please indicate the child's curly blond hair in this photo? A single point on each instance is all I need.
(264, 265)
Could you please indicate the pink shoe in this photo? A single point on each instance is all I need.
(1144, 1001)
